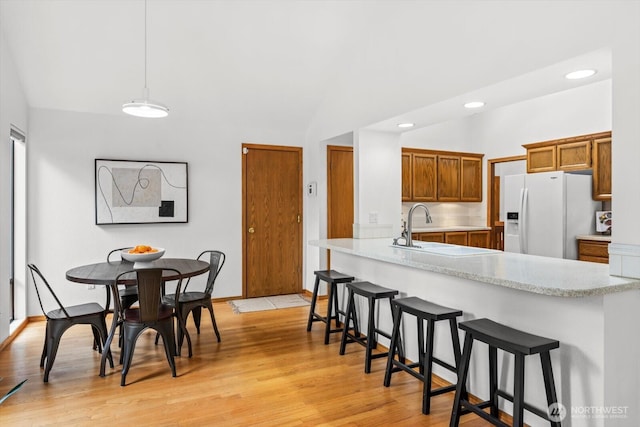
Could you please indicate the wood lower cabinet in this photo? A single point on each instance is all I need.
(456, 238)
(429, 237)
(478, 239)
(593, 250)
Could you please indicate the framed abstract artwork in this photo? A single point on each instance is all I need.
(140, 192)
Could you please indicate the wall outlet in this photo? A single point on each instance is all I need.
(373, 217)
(91, 287)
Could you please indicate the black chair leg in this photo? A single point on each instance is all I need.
(397, 317)
(518, 391)
(371, 335)
(312, 309)
(463, 370)
(493, 380)
(197, 314)
(549, 384)
(213, 320)
(427, 368)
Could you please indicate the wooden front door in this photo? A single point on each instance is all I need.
(272, 220)
(339, 191)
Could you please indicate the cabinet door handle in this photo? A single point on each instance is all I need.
(252, 230)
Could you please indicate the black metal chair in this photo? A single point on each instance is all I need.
(62, 318)
(193, 301)
(128, 294)
(150, 313)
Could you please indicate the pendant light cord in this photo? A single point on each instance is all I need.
(145, 44)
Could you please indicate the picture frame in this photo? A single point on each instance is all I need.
(140, 192)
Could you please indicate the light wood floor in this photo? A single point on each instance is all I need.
(268, 370)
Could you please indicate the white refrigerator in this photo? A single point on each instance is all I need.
(544, 212)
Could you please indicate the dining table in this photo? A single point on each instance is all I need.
(105, 273)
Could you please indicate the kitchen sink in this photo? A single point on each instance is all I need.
(447, 249)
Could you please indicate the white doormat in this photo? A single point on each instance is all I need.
(267, 303)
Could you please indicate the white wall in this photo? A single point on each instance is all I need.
(62, 232)
(501, 132)
(13, 111)
(378, 186)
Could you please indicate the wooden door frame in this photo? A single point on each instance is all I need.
(491, 174)
(331, 148)
(252, 146)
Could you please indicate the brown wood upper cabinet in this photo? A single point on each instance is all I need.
(582, 152)
(445, 176)
(448, 178)
(602, 168)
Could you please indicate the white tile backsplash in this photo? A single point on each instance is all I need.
(448, 214)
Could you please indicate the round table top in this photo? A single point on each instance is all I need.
(103, 273)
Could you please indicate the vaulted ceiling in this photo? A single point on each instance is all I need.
(273, 64)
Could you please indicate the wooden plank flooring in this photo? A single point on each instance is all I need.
(268, 370)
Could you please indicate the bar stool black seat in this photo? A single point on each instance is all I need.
(520, 344)
(373, 293)
(432, 313)
(332, 278)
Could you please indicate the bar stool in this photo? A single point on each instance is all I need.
(432, 313)
(332, 278)
(518, 343)
(372, 293)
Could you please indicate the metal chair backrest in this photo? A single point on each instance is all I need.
(149, 282)
(116, 250)
(216, 261)
(35, 271)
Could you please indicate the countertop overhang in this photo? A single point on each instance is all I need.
(530, 273)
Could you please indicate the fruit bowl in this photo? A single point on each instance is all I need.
(141, 257)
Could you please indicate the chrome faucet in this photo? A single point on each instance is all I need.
(409, 241)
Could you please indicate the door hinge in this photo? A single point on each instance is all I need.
(298, 219)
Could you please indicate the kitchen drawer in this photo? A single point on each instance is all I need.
(594, 251)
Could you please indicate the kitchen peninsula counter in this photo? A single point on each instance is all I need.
(592, 314)
(537, 274)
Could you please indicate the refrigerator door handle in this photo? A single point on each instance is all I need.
(524, 240)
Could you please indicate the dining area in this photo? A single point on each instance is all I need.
(143, 291)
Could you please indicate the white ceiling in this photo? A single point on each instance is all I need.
(264, 64)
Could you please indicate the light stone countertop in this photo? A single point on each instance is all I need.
(530, 273)
(441, 228)
(596, 237)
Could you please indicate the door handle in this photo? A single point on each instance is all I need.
(252, 230)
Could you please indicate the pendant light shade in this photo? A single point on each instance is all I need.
(145, 107)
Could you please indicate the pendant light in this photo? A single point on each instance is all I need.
(145, 107)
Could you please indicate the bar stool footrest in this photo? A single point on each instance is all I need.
(476, 409)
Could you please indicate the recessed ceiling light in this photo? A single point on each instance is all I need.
(406, 125)
(474, 104)
(580, 74)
